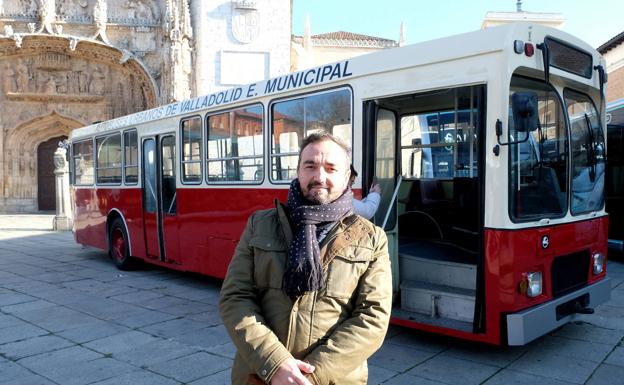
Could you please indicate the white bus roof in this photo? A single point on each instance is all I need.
(425, 53)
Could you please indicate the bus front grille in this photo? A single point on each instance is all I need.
(569, 272)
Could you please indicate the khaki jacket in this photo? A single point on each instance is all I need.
(335, 329)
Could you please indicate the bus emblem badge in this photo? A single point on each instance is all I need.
(545, 242)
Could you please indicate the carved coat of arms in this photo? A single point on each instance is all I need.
(245, 20)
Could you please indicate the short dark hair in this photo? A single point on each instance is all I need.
(322, 136)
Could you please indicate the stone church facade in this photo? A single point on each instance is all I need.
(67, 63)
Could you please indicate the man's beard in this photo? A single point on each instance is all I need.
(317, 197)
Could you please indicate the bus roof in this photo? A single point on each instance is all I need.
(429, 52)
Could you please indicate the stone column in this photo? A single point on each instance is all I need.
(63, 219)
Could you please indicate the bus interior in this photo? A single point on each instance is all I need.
(432, 212)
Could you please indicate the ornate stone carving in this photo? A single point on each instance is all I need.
(100, 16)
(46, 10)
(245, 20)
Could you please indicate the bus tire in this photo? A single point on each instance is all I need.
(118, 246)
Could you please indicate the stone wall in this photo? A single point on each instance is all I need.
(240, 42)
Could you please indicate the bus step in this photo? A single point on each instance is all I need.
(438, 300)
(437, 272)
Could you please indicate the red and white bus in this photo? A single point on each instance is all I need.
(489, 147)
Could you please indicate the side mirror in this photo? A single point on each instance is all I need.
(524, 110)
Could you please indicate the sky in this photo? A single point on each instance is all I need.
(595, 21)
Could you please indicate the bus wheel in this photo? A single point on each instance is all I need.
(118, 248)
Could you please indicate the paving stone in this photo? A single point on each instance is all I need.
(588, 332)
(220, 378)
(92, 331)
(512, 377)
(558, 367)
(56, 319)
(208, 318)
(573, 348)
(406, 379)
(143, 317)
(174, 328)
(205, 338)
(377, 375)
(20, 332)
(27, 306)
(398, 358)
(120, 342)
(607, 375)
(491, 355)
(616, 357)
(7, 320)
(12, 298)
(32, 346)
(10, 371)
(137, 297)
(421, 341)
(227, 350)
(67, 357)
(142, 377)
(452, 370)
(29, 379)
(87, 372)
(193, 367)
(154, 352)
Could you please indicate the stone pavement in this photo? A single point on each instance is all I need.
(67, 316)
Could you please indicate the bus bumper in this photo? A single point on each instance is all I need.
(527, 325)
(616, 245)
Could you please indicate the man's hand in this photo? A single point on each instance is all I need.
(375, 188)
(292, 371)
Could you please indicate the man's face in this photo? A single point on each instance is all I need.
(323, 172)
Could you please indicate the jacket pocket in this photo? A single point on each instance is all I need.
(345, 270)
(269, 262)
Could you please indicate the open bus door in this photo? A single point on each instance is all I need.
(379, 157)
(159, 199)
(425, 151)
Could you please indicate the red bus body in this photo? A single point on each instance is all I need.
(495, 221)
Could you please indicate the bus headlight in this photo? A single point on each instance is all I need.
(597, 263)
(531, 284)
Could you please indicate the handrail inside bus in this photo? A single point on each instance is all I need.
(394, 195)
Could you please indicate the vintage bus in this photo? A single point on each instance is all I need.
(614, 187)
(489, 147)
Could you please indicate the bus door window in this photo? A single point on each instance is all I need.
(539, 164)
(293, 120)
(439, 164)
(588, 153)
(150, 199)
(385, 165)
(235, 146)
(168, 176)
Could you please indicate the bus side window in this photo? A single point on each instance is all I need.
(83, 162)
(131, 157)
(292, 120)
(235, 146)
(191, 149)
(108, 159)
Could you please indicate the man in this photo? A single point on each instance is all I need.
(368, 206)
(308, 293)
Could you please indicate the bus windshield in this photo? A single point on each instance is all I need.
(588, 153)
(538, 156)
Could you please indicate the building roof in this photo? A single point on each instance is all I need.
(348, 39)
(611, 43)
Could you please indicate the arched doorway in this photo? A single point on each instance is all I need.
(46, 185)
